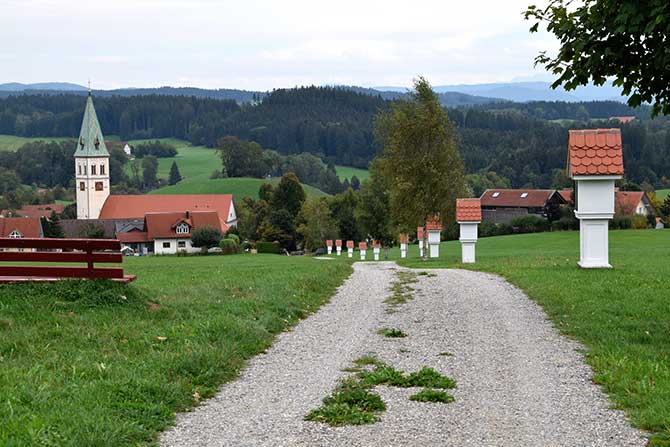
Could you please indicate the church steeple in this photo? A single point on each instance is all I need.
(91, 166)
(91, 142)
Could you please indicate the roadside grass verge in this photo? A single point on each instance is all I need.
(354, 403)
(95, 363)
(619, 314)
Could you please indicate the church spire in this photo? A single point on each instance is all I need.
(91, 142)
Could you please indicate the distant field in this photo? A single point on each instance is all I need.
(12, 142)
(662, 193)
(239, 187)
(348, 172)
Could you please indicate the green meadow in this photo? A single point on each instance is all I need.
(12, 142)
(662, 193)
(88, 363)
(348, 172)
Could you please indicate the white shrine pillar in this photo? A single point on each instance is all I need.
(350, 249)
(468, 216)
(434, 228)
(595, 162)
(362, 248)
(404, 238)
(376, 249)
(329, 246)
(419, 236)
(338, 246)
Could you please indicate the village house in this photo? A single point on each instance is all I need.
(626, 203)
(34, 210)
(504, 205)
(21, 227)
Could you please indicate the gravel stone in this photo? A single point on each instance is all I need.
(519, 382)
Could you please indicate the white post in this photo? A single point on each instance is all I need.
(421, 248)
(434, 243)
(468, 240)
(338, 246)
(362, 254)
(330, 249)
(403, 250)
(339, 250)
(350, 252)
(375, 251)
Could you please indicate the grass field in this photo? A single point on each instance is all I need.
(86, 364)
(12, 143)
(662, 193)
(621, 315)
(348, 172)
(239, 187)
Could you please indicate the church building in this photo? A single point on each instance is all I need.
(158, 223)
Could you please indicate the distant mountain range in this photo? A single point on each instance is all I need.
(450, 95)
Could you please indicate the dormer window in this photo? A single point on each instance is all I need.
(15, 234)
(495, 194)
(524, 195)
(97, 143)
(182, 228)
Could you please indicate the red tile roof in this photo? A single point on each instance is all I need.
(516, 198)
(625, 202)
(566, 194)
(350, 244)
(37, 210)
(595, 152)
(434, 223)
(338, 242)
(376, 244)
(419, 233)
(362, 246)
(163, 225)
(329, 243)
(404, 238)
(26, 226)
(468, 210)
(136, 207)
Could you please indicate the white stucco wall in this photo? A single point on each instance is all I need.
(90, 201)
(173, 248)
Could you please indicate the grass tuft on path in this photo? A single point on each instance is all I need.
(432, 396)
(392, 333)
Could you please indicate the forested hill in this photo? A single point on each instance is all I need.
(525, 143)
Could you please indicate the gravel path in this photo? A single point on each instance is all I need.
(519, 382)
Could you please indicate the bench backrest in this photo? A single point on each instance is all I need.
(89, 251)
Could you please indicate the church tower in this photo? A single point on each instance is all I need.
(91, 166)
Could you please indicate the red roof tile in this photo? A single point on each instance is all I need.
(516, 198)
(626, 202)
(419, 233)
(566, 194)
(38, 210)
(404, 238)
(350, 244)
(163, 225)
(362, 246)
(595, 152)
(434, 223)
(338, 242)
(329, 243)
(135, 207)
(133, 237)
(376, 244)
(468, 210)
(25, 226)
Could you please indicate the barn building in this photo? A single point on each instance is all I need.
(504, 205)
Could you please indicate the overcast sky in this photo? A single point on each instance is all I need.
(263, 44)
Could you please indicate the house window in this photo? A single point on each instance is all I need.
(495, 194)
(93, 170)
(15, 234)
(166, 245)
(84, 169)
(182, 228)
(79, 169)
(181, 244)
(524, 195)
(102, 169)
(98, 186)
(82, 186)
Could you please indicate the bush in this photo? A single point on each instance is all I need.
(216, 174)
(621, 223)
(233, 237)
(268, 247)
(639, 222)
(247, 246)
(229, 246)
(206, 237)
(530, 224)
(488, 228)
(565, 224)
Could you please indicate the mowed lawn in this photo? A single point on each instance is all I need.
(622, 315)
(84, 363)
(662, 193)
(348, 172)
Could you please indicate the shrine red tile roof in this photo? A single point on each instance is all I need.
(595, 152)
(419, 233)
(338, 242)
(350, 244)
(434, 223)
(468, 210)
(329, 243)
(362, 246)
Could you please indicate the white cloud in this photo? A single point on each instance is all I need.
(262, 44)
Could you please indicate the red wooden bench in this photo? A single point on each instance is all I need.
(89, 251)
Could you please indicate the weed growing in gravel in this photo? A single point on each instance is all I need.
(427, 274)
(432, 396)
(352, 402)
(392, 333)
(402, 292)
(446, 354)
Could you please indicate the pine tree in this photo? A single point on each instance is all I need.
(355, 183)
(175, 176)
